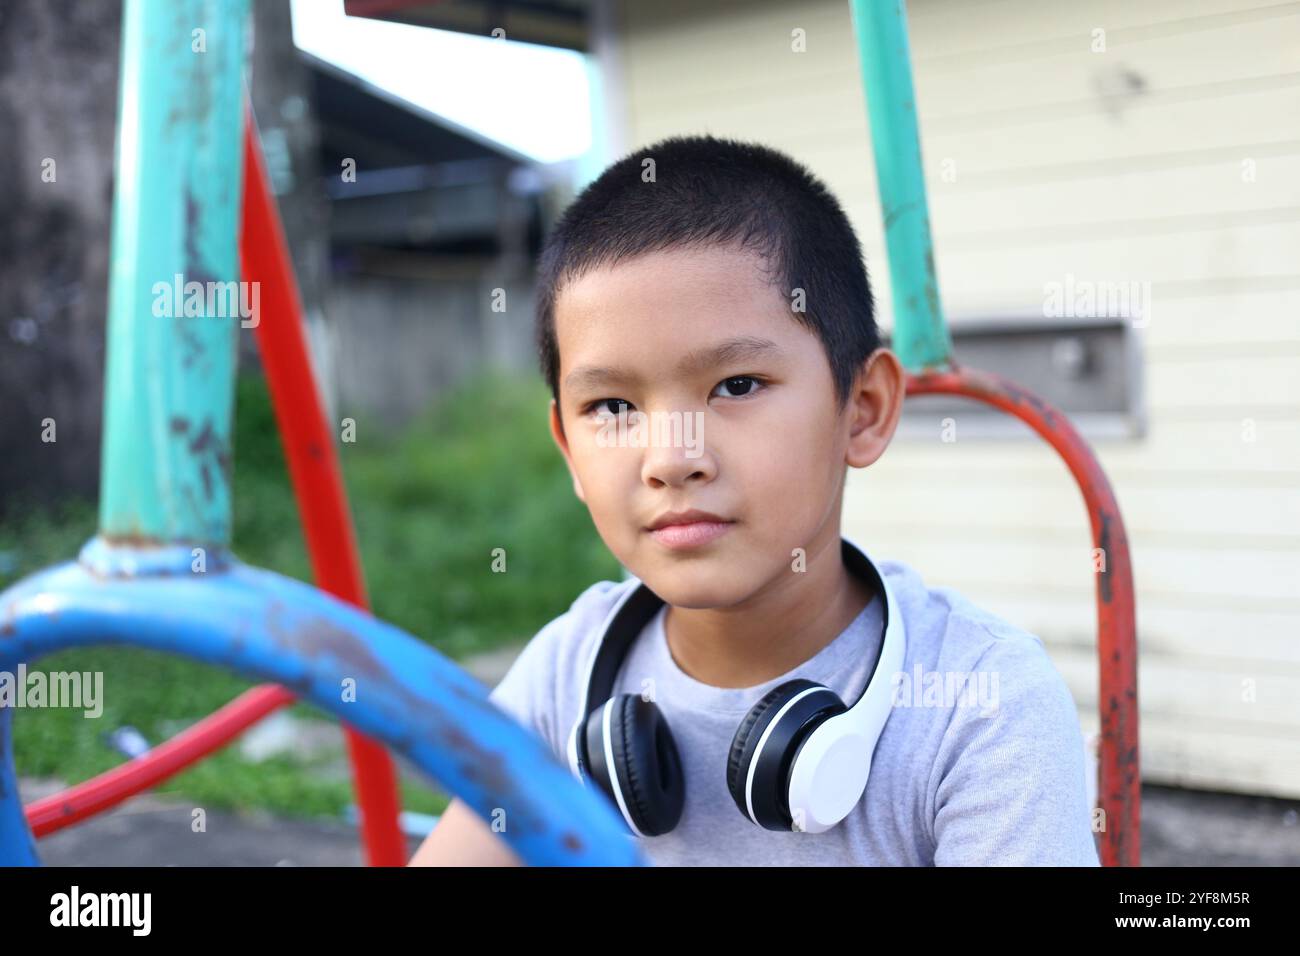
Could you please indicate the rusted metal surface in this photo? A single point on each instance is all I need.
(383, 682)
(1119, 786)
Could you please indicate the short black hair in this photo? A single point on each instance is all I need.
(718, 191)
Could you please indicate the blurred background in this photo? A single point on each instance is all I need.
(1115, 196)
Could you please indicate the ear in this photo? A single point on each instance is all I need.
(557, 432)
(873, 407)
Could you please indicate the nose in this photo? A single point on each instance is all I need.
(675, 456)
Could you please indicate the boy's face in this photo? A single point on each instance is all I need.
(757, 438)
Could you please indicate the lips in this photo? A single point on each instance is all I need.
(693, 535)
(683, 518)
(688, 529)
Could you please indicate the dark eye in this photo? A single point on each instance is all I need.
(742, 385)
(603, 405)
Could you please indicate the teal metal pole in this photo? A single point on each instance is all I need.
(921, 337)
(175, 303)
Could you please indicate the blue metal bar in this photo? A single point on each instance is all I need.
(921, 337)
(17, 845)
(271, 628)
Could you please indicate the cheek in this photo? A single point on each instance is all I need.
(798, 432)
(794, 454)
(603, 471)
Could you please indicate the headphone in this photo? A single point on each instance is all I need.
(799, 754)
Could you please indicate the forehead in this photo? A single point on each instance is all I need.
(645, 313)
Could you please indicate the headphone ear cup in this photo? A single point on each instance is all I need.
(769, 795)
(746, 739)
(647, 768)
(656, 785)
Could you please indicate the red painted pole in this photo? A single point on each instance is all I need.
(313, 468)
(110, 788)
(1120, 786)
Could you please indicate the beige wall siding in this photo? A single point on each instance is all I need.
(1125, 165)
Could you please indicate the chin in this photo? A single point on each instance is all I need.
(690, 585)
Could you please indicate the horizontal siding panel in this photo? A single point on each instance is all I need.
(1013, 534)
(1209, 757)
(1240, 323)
(1210, 192)
(1163, 59)
(1225, 576)
(1226, 228)
(1020, 265)
(1209, 444)
(1225, 392)
(1260, 307)
(772, 86)
(1166, 630)
(948, 31)
(1153, 105)
(991, 591)
(1177, 753)
(1198, 691)
(1243, 112)
(1232, 271)
(731, 60)
(1261, 518)
(1004, 171)
(1233, 381)
(731, 53)
(669, 28)
(849, 169)
(1238, 112)
(976, 472)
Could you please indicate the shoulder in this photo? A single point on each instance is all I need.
(558, 652)
(1009, 780)
(983, 667)
(951, 632)
(567, 639)
(543, 685)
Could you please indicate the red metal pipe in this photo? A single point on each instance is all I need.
(110, 788)
(313, 468)
(1119, 788)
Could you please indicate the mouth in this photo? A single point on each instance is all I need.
(691, 529)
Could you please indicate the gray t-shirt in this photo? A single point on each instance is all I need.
(981, 761)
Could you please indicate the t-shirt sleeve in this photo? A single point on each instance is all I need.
(544, 677)
(1010, 785)
(527, 691)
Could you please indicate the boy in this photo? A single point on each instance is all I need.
(721, 283)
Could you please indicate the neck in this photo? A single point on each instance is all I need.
(783, 625)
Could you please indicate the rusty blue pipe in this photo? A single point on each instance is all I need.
(361, 670)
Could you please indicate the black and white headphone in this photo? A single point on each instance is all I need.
(799, 754)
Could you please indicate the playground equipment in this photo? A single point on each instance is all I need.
(923, 345)
(159, 574)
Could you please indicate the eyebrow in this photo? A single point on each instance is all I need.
(741, 348)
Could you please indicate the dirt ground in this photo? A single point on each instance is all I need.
(1179, 828)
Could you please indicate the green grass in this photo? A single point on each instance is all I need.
(477, 472)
